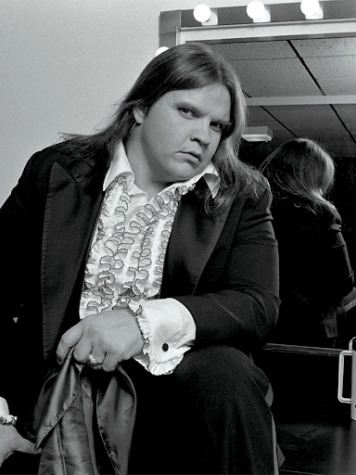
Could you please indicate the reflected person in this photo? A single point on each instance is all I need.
(316, 278)
(141, 259)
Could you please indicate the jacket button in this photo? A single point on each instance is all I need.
(165, 347)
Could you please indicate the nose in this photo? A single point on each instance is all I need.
(201, 132)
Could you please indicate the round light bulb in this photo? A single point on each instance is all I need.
(255, 9)
(202, 13)
(161, 50)
(310, 7)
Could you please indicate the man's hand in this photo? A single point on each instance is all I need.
(11, 441)
(111, 337)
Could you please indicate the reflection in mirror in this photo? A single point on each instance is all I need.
(305, 88)
(300, 88)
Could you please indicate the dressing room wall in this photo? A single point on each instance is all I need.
(64, 64)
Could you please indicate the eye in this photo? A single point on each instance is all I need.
(186, 112)
(217, 126)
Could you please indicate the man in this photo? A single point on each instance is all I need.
(148, 247)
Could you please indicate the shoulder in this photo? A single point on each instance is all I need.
(257, 194)
(254, 202)
(63, 154)
(41, 163)
(43, 160)
(292, 219)
(324, 219)
(330, 219)
(299, 208)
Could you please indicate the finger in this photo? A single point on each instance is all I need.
(110, 362)
(97, 356)
(82, 349)
(68, 340)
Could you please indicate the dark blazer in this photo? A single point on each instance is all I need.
(224, 270)
(315, 272)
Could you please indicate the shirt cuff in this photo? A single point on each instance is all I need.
(169, 331)
(4, 408)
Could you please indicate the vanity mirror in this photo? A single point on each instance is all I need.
(298, 77)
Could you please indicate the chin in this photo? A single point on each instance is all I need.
(183, 174)
(187, 174)
(185, 177)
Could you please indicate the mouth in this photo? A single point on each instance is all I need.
(196, 155)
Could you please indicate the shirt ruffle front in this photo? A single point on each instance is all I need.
(125, 263)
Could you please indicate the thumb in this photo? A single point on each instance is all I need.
(27, 447)
(68, 340)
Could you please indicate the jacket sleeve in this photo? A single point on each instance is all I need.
(241, 306)
(20, 244)
(19, 231)
(335, 266)
(314, 260)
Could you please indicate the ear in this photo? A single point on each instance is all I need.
(139, 114)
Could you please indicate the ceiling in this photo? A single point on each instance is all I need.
(289, 83)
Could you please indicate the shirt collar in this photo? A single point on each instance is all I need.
(120, 165)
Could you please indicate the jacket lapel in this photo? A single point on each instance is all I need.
(193, 239)
(72, 205)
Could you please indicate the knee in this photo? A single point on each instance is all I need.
(223, 371)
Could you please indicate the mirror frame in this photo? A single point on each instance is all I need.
(172, 32)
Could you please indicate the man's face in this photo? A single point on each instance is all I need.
(180, 133)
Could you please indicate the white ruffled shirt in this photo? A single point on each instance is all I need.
(125, 263)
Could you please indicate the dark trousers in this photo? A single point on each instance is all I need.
(210, 416)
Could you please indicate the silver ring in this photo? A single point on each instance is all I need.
(92, 361)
